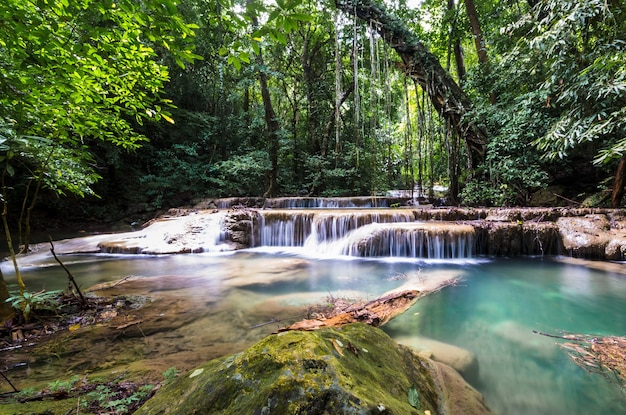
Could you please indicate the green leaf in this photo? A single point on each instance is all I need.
(414, 399)
(233, 60)
(244, 57)
(302, 17)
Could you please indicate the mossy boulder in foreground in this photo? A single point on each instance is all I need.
(357, 369)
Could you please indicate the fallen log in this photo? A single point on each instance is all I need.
(375, 313)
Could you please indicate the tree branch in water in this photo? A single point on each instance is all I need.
(605, 356)
(69, 274)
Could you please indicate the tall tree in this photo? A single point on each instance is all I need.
(479, 41)
(582, 44)
(454, 42)
(271, 121)
(422, 66)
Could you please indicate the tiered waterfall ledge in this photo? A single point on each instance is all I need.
(414, 232)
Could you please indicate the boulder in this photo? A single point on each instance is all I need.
(593, 236)
(461, 360)
(356, 370)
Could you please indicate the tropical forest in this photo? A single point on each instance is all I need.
(313, 207)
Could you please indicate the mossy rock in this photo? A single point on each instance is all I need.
(355, 370)
(61, 407)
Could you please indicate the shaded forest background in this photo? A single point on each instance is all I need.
(308, 98)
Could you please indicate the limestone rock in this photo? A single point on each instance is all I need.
(461, 360)
(356, 370)
(593, 236)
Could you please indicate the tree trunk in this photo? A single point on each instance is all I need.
(272, 131)
(472, 15)
(375, 313)
(5, 308)
(454, 43)
(270, 121)
(310, 82)
(618, 186)
(459, 59)
(423, 67)
(479, 41)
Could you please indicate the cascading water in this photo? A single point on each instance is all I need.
(278, 228)
(412, 240)
(371, 233)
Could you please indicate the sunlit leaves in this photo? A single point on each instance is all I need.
(77, 70)
(580, 44)
(259, 21)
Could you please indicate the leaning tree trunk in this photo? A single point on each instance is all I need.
(423, 67)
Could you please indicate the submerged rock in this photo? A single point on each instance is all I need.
(356, 370)
(461, 360)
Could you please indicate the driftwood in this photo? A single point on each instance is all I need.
(375, 313)
(424, 68)
(601, 355)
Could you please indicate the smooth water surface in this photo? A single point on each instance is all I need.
(491, 311)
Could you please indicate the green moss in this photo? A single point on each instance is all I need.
(355, 370)
(48, 407)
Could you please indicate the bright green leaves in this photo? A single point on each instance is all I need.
(61, 169)
(586, 79)
(77, 70)
(269, 21)
(281, 20)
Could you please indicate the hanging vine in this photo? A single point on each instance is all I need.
(421, 65)
(355, 75)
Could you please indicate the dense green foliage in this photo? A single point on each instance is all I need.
(78, 71)
(75, 73)
(559, 74)
(348, 121)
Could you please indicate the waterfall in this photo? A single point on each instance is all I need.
(391, 199)
(307, 228)
(411, 240)
(280, 228)
(405, 240)
(335, 202)
(365, 233)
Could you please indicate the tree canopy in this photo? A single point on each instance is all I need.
(350, 114)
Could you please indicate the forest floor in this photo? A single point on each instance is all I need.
(77, 394)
